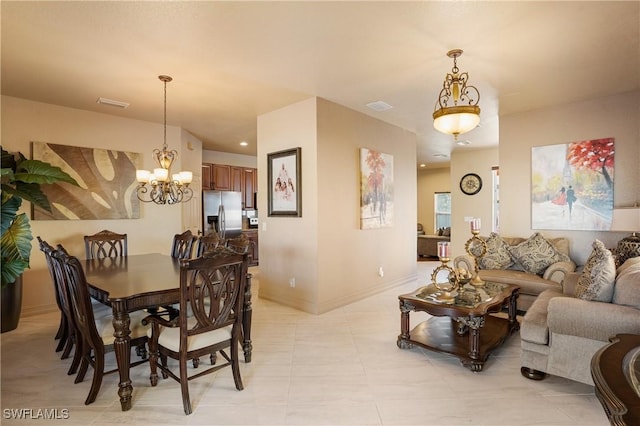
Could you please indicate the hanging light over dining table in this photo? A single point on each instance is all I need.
(160, 186)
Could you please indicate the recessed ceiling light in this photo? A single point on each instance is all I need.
(244, 143)
(463, 143)
(379, 106)
(111, 102)
(423, 165)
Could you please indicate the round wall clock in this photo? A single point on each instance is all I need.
(470, 184)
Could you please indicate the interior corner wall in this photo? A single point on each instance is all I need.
(614, 116)
(480, 205)
(349, 258)
(289, 245)
(25, 121)
(431, 181)
(332, 261)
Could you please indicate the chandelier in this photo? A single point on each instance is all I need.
(161, 186)
(463, 114)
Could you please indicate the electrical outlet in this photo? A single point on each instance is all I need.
(292, 282)
(380, 272)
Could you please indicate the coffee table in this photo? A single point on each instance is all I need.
(464, 326)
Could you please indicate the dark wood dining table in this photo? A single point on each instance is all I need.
(138, 282)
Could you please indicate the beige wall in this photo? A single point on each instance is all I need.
(431, 181)
(616, 116)
(25, 121)
(331, 259)
(480, 205)
(217, 157)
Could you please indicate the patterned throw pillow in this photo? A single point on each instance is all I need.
(598, 277)
(536, 254)
(497, 256)
(627, 248)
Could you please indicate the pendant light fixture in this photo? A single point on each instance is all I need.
(161, 187)
(456, 109)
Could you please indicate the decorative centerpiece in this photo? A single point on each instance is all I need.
(476, 247)
(446, 289)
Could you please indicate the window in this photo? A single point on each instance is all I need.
(442, 211)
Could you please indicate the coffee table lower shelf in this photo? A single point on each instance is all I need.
(441, 334)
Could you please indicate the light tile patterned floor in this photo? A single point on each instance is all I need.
(339, 368)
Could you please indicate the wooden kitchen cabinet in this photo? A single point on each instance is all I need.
(221, 177)
(206, 176)
(249, 185)
(236, 179)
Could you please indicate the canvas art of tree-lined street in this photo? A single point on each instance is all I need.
(572, 185)
(376, 189)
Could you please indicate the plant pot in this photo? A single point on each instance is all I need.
(11, 305)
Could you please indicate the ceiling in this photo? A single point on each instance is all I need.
(232, 61)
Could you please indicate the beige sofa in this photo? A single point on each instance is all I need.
(560, 333)
(498, 264)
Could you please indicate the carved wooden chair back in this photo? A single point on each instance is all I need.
(212, 291)
(182, 246)
(207, 242)
(91, 343)
(105, 244)
(239, 244)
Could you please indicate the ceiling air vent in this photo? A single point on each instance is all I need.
(379, 106)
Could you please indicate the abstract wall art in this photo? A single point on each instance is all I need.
(107, 182)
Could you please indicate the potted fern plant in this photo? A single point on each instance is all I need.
(21, 180)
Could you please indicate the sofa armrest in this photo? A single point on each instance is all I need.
(465, 262)
(591, 320)
(557, 271)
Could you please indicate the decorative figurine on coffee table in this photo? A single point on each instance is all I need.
(477, 248)
(446, 289)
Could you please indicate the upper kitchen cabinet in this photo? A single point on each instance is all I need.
(236, 179)
(249, 180)
(206, 177)
(221, 177)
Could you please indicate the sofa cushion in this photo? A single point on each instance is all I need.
(534, 327)
(598, 276)
(627, 288)
(528, 283)
(497, 255)
(536, 254)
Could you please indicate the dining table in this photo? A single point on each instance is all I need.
(137, 282)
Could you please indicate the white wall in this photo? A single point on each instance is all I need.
(25, 121)
(332, 260)
(615, 116)
(217, 157)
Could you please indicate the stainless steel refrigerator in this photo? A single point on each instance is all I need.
(222, 212)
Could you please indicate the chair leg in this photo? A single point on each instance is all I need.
(62, 334)
(184, 387)
(84, 361)
(69, 342)
(141, 351)
(196, 362)
(77, 357)
(235, 365)
(61, 328)
(98, 373)
(213, 358)
(163, 359)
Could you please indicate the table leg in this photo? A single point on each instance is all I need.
(403, 338)
(514, 325)
(474, 324)
(122, 348)
(246, 321)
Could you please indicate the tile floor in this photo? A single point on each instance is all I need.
(339, 368)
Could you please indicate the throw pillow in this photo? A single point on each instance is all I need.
(536, 254)
(599, 275)
(627, 288)
(627, 248)
(497, 256)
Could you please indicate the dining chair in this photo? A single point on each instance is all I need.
(239, 244)
(207, 242)
(105, 244)
(94, 336)
(211, 288)
(182, 246)
(66, 330)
